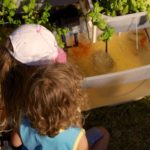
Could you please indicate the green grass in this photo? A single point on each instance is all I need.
(128, 124)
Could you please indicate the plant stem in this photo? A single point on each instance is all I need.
(106, 46)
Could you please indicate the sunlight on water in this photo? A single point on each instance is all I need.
(124, 52)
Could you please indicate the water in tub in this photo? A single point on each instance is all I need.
(125, 51)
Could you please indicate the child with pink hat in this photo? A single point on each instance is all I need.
(34, 45)
(28, 47)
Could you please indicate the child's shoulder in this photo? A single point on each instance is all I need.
(70, 136)
(72, 132)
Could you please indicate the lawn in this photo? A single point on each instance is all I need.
(128, 124)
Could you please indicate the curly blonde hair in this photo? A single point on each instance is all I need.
(54, 98)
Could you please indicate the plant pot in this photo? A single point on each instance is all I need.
(128, 22)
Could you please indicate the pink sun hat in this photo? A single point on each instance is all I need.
(35, 45)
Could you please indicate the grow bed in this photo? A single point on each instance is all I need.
(127, 78)
(128, 22)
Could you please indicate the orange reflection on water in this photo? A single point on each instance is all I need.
(82, 50)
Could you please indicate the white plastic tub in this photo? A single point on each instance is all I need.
(128, 22)
(119, 87)
(125, 23)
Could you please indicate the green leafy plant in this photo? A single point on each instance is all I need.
(122, 7)
(30, 14)
(98, 20)
(59, 33)
(8, 13)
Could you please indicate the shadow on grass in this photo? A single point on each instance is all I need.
(128, 124)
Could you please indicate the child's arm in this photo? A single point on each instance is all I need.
(15, 139)
(83, 144)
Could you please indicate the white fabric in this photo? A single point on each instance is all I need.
(33, 44)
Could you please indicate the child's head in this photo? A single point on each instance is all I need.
(54, 98)
(34, 45)
(27, 48)
(30, 45)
